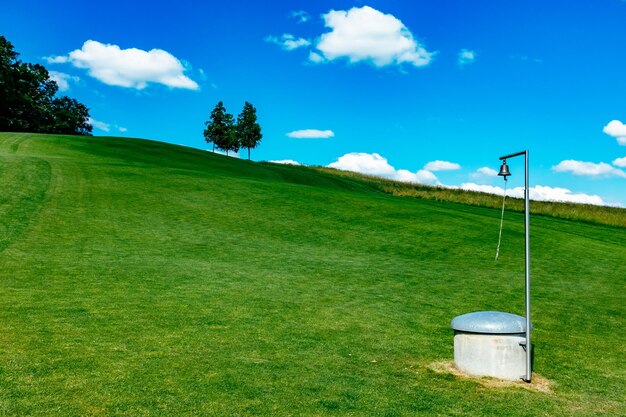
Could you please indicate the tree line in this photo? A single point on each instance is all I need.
(28, 102)
(229, 135)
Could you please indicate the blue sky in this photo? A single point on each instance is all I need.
(416, 90)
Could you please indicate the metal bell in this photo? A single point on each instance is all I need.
(504, 170)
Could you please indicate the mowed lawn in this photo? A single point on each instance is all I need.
(142, 278)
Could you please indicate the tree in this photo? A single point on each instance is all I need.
(248, 130)
(70, 117)
(219, 129)
(232, 143)
(27, 102)
(8, 58)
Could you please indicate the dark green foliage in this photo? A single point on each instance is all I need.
(232, 140)
(220, 129)
(27, 99)
(225, 134)
(70, 117)
(248, 130)
(7, 80)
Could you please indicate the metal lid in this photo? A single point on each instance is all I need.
(491, 322)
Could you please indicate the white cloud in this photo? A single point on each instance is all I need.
(422, 176)
(485, 171)
(56, 59)
(620, 162)
(405, 175)
(285, 162)
(300, 16)
(377, 165)
(441, 166)
(539, 193)
(470, 186)
(311, 134)
(591, 169)
(616, 129)
(132, 68)
(365, 34)
(105, 127)
(315, 57)
(62, 79)
(288, 42)
(365, 163)
(466, 56)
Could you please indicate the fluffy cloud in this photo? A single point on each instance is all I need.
(487, 172)
(132, 68)
(375, 164)
(285, 162)
(616, 129)
(591, 169)
(315, 57)
(441, 166)
(288, 42)
(365, 163)
(365, 34)
(483, 172)
(422, 176)
(620, 162)
(62, 79)
(539, 193)
(57, 59)
(311, 134)
(105, 127)
(466, 56)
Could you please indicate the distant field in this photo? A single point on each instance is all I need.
(142, 278)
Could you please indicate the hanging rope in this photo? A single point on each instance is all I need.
(501, 220)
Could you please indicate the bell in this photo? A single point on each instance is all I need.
(504, 170)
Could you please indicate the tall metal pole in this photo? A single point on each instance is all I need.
(528, 346)
(527, 240)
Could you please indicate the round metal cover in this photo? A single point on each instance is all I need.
(490, 322)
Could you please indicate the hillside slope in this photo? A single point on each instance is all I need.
(142, 278)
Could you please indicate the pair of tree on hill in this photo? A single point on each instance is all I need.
(28, 102)
(228, 135)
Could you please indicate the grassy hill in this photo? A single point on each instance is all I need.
(142, 278)
(610, 216)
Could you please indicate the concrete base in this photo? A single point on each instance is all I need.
(496, 355)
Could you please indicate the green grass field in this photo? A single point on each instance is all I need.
(141, 278)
